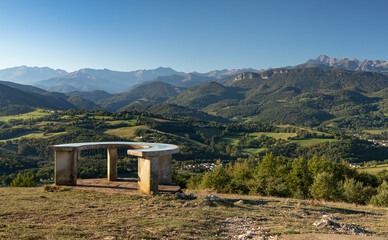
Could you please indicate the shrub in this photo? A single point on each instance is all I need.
(276, 187)
(381, 199)
(194, 182)
(217, 179)
(23, 181)
(353, 191)
(324, 187)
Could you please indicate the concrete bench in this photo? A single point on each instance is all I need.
(154, 162)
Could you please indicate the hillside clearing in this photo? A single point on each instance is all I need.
(375, 170)
(374, 131)
(33, 134)
(125, 131)
(283, 136)
(312, 141)
(34, 114)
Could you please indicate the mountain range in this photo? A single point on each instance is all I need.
(29, 75)
(353, 64)
(321, 91)
(118, 81)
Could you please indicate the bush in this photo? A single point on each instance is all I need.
(178, 179)
(324, 187)
(194, 182)
(353, 191)
(217, 179)
(381, 199)
(23, 181)
(276, 187)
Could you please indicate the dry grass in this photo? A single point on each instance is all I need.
(32, 213)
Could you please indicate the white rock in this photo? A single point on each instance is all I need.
(213, 197)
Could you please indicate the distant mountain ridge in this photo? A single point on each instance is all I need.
(14, 94)
(28, 75)
(113, 82)
(351, 64)
(301, 96)
(88, 79)
(184, 80)
(149, 94)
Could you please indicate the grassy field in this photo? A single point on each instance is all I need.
(303, 128)
(230, 139)
(283, 136)
(103, 117)
(35, 114)
(125, 131)
(32, 213)
(252, 150)
(375, 170)
(312, 141)
(233, 139)
(131, 122)
(376, 131)
(45, 123)
(33, 134)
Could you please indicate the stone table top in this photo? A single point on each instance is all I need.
(140, 149)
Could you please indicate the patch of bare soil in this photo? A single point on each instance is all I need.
(243, 228)
(123, 186)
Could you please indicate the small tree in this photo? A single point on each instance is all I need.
(299, 179)
(17, 182)
(353, 191)
(381, 199)
(217, 179)
(324, 187)
(23, 181)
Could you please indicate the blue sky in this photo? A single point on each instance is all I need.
(188, 35)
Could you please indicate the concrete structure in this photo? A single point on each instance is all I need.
(154, 162)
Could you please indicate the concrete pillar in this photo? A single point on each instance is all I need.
(148, 175)
(112, 164)
(165, 172)
(66, 168)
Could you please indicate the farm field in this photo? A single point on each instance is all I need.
(375, 170)
(230, 139)
(125, 131)
(302, 128)
(34, 114)
(252, 150)
(117, 122)
(33, 134)
(378, 131)
(312, 141)
(283, 136)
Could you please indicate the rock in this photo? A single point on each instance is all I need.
(247, 235)
(110, 238)
(185, 196)
(213, 197)
(326, 221)
(240, 202)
